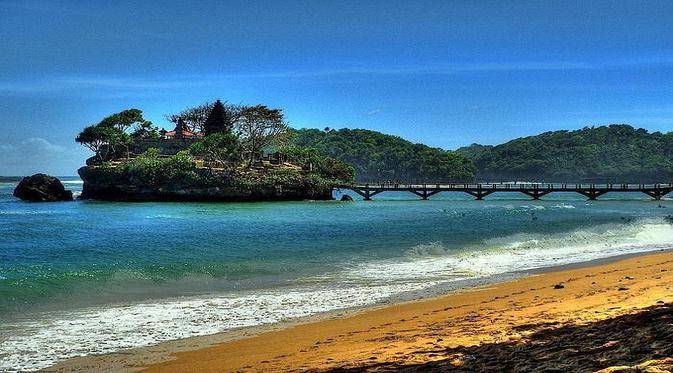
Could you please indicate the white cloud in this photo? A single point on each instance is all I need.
(35, 154)
(374, 112)
(137, 83)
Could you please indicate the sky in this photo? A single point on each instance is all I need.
(443, 73)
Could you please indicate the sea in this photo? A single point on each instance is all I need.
(87, 277)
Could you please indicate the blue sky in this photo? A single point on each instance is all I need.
(445, 73)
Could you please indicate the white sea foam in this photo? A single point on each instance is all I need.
(100, 330)
(519, 252)
(162, 216)
(28, 212)
(40, 343)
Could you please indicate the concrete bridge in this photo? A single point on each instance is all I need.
(534, 190)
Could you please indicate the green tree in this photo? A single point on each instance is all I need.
(219, 147)
(195, 117)
(317, 162)
(109, 139)
(376, 156)
(106, 142)
(218, 120)
(260, 127)
(124, 119)
(145, 130)
(614, 153)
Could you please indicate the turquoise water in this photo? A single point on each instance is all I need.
(89, 277)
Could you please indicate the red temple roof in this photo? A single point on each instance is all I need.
(182, 131)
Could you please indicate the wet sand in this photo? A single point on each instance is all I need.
(604, 315)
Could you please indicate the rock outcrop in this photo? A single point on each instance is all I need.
(100, 186)
(42, 188)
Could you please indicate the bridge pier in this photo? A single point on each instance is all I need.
(368, 194)
(656, 194)
(533, 190)
(535, 193)
(592, 194)
(424, 193)
(479, 194)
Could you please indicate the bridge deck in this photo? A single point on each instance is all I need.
(534, 190)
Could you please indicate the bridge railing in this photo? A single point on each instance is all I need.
(512, 185)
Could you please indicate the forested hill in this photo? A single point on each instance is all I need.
(617, 153)
(376, 156)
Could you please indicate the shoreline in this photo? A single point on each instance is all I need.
(190, 350)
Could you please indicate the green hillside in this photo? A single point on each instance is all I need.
(376, 156)
(618, 153)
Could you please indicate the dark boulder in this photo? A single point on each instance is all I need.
(42, 188)
(346, 197)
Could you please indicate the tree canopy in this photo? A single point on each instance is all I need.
(260, 127)
(195, 117)
(109, 137)
(615, 153)
(218, 120)
(218, 147)
(124, 119)
(376, 156)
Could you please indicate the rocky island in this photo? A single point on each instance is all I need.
(216, 152)
(42, 188)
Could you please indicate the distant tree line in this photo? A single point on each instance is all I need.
(236, 134)
(615, 153)
(379, 157)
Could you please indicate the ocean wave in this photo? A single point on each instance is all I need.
(528, 208)
(53, 337)
(563, 206)
(162, 216)
(518, 252)
(29, 212)
(69, 334)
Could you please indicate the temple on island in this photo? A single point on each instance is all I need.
(181, 132)
(169, 142)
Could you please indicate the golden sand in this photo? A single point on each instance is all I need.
(423, 331)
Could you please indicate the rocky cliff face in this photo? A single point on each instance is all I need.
(100, 187)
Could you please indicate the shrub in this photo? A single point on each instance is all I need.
(320, 164)
(218, 147)
(152, 170)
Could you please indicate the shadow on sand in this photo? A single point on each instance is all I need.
(626, 340)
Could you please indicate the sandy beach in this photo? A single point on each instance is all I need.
(581, 319)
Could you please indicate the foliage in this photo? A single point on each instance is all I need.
(218, 147)
(376, 156)
(124, 119)
(260, 127)
(106, 142)
(473, 151)
(615, 153)
(218, 120)
(326, 167)
(195, 117)
(109, 139)
(145, 131)
(151, 169)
